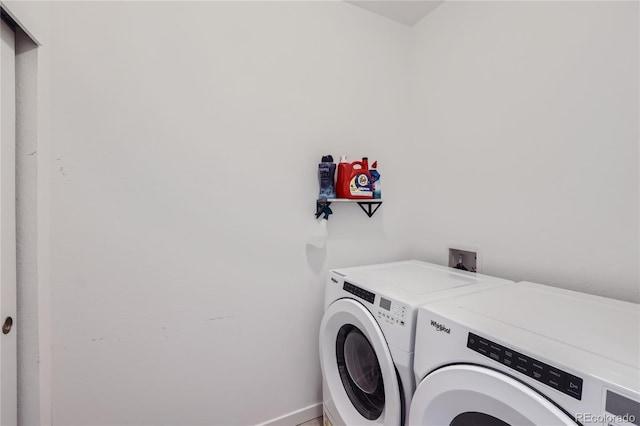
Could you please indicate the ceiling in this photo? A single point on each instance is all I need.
(407, 12)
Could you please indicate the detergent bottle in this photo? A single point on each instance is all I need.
(354, 179)
(375, 181)
(342, 179)
(360, 183)
(360, 180)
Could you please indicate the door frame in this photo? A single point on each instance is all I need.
(8, 241)
(33, 188)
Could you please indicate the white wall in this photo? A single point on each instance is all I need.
(527, 130)
(185, 138)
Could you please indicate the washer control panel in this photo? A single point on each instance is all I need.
(392, 312)
(360, 292)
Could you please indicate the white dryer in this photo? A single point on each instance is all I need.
(527, 354)
(367, 336)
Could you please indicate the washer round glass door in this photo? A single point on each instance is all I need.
(358, 371)
(459, 395)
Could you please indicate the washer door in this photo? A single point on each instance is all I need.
(459, 395)
(357, 366)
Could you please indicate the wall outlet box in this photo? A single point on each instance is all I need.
(466, 259)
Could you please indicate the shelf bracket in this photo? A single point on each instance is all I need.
(369, 207)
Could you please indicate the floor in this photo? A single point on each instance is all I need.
(314, 422)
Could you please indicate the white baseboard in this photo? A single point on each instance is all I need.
(296, 417)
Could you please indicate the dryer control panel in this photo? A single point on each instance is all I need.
(392, 312)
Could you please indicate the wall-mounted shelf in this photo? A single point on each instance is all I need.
(369, 206)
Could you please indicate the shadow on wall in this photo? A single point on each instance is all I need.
(316, 249)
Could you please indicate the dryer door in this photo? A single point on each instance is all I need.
(359, 374)
(459, 395)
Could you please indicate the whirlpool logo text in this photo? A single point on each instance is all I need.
(440, 327)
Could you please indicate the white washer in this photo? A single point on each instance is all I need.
(527, 354)
(367, 336)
